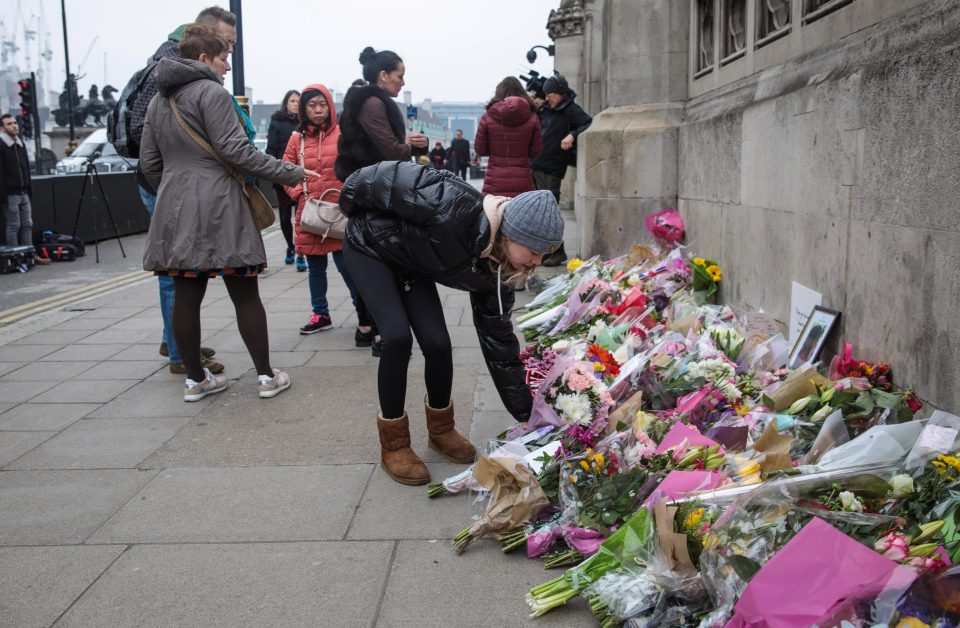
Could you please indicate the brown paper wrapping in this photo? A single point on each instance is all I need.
(801, 383)
(639, 254)
(625, 412)
(517, 497)
(673, 545)
(775, 448)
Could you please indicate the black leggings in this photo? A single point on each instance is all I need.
(397, 311)
(287, 207)
(251, 320)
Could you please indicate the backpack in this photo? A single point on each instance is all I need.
(120, 123)
(69, 246)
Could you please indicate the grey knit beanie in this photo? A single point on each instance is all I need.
(533, 220)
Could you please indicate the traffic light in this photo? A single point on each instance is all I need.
(27, 108)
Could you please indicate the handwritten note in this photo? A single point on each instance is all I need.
(802, 302)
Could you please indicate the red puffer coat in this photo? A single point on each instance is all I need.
(319, 155)
(509, 133)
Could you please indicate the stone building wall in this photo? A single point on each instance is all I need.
(836, 166)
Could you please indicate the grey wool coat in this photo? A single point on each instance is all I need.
(202, 219)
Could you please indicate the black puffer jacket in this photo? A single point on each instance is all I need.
(429, 223)
(282, 126)
(555, 124)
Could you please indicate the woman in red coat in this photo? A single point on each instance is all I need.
(509, 133)
(315, 143)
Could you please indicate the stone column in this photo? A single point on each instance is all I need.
(628, 161)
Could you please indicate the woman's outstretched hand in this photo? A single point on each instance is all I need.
(311, 174)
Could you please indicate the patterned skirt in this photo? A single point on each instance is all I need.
(241, 271)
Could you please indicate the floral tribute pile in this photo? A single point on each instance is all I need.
(682, 475)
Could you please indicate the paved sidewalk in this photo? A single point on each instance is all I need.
(121, 505)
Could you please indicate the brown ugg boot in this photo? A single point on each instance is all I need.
(444, 438)
(398, 459)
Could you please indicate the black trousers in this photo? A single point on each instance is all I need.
(400, 309)
(287, 207)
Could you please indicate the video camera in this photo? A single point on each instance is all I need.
(534, 83)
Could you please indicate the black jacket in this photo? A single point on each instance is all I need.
(555, 124)
(431, 224)
(459, 154)
(282, 126)
(355, 149)
(14, 170)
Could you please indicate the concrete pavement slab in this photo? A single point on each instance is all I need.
(37, 584)
(309, 424)
(230, 341)
(9, 367)
(253, 585)
(54, 337)
(81, 353)
(48, 370)
(24, 353)
(100, 444)
(357, 356)
(18, 392)
(103, 311)
(44, 416)
(390, 510)
(123, 369)
(119, 336)
(240, 504)
(152, 398)
(81, 322)
(3, 408)
(62, 507)
(430, 586)
(88, 391)
(139, 352)
(15, 444)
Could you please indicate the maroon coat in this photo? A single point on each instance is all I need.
(509, 133)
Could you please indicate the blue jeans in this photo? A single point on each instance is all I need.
(166, 289)
(19, 219)
(317, 266)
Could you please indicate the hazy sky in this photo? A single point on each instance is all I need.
(454, 50)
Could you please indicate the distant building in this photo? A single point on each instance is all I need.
(457, 115)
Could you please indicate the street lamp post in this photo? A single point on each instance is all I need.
(70, 85)
(239, 87)
(532, 53)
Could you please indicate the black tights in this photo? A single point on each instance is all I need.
(397, 311)
(251, 319)
(287, 207)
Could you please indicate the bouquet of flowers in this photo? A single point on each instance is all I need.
(706, 276)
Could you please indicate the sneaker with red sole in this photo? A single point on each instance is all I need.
(317, 322)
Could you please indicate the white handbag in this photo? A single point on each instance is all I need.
(321, 217)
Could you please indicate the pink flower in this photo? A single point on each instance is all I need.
(554, 391)
(894, 546)
(578, 378)
(932, 562)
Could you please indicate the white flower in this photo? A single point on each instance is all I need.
(729, 390)
(901, 485)
(711, 370)
(561, 346)
(595, 330)
(574, 408)
(850, 502)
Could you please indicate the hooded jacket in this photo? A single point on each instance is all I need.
(14, 167)
(555, 124)
(427, 223)
(282, 126)
(509, 133)
(319, 155)
(371, 130)
(202, 218)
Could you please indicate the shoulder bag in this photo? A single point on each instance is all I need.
(260, 207)
(321, 217)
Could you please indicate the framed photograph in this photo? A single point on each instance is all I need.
(813, 337)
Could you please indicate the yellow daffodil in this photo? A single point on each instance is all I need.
(574, 264)
(585, 465)
(699, 261)
(715, 272)
(599, 460)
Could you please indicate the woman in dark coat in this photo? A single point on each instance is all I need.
(283, 123)
(412, 227)
(372, 130)
(509, 133)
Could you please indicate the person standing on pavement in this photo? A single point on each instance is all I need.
(411, 227)
(561, 121)
(283, 123)
(225, 24)
(372, 129)
(438, 156)
(458, 157)
(16, 187)
(509, 133)
(314, 146)
(202, 224)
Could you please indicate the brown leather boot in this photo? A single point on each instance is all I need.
(444, 438)
(398, 459)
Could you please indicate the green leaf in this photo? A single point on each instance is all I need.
(866, 405)
(884, 399)
(744, 567)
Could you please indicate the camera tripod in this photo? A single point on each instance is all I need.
(90, 173)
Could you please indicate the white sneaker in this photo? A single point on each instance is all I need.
(195, 391)
(271, 387)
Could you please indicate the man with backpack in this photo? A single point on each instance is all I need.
(126, 130)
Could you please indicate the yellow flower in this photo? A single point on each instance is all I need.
(714, 272)
(599, 460)
(699, 261)
(573, 479)
(911, 622)
(693, 519)
(583, 463)
(597, 367)
(574, 264)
